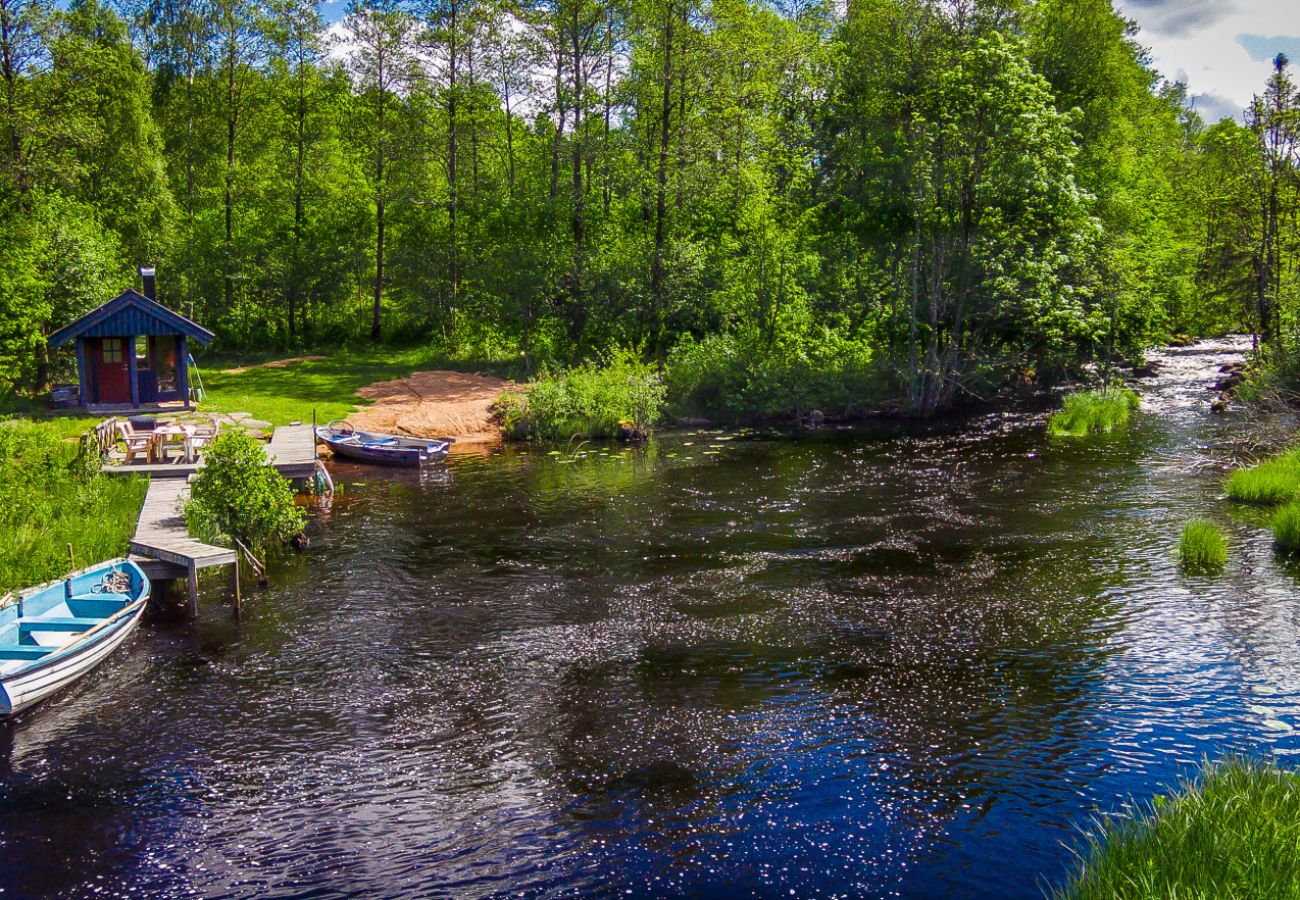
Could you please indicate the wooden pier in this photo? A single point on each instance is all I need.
(163, 547)
(292, 451)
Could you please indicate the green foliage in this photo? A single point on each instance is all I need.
(52, 495)
(1230, 833)
(885, 201)
(729, 378)
(238, 494)
(1275, 480)
(1093, 412)
(1286, 528)
(591, 400)
(1203, 548)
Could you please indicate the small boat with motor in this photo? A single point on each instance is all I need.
(381, 449)
(55, 633)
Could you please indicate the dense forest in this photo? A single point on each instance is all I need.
(937, 198)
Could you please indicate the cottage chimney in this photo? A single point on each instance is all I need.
(147, 275)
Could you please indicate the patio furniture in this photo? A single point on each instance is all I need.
(165, 435)
(135, 441)
(105, 436)
(203, 436)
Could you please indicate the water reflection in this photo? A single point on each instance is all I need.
(852, 664)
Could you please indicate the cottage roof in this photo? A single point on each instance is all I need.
(130, 313)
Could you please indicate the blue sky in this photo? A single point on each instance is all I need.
(1222, 49)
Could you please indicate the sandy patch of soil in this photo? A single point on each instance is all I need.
(434, 404)
(273, 364)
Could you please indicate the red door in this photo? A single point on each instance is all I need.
(113, 375)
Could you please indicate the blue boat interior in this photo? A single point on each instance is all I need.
(54, 615)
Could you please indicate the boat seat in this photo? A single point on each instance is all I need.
(101, 605)
(24, 651)
(62, 623)
(121, 598)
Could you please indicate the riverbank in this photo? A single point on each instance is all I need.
(1229, 833)
(52, 498)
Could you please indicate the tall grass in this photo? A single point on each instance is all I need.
(1233, 832)
(1093, 412)
(1275, 480)
(1203, 549)
(52, 495)
(1286, 528)
(591, 400)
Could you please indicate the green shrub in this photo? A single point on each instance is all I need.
(1231, 833)
(1275, 480)
(238, 494)
(591, 400)
(1286, 527)
(1093, 412)
(1203, 549)
(52, 495)
(745, 377)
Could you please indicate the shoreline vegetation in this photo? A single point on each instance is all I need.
(1202, 548)
(52, 495)
(1093, 411)
(1230, 832)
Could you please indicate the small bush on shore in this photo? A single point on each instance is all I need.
(1231, 833)
(1202, 549)
(591, 400)
(740, 378)
(1093, 412)
(238, 494)
(52, 495)
(1275, 480)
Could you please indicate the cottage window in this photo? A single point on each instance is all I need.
(113, 350)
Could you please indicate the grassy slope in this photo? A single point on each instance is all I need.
(329, 386)
(48, 506)
(1233, 833)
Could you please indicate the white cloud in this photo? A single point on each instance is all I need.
(1206, 42)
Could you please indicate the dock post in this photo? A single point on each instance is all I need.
(193, 579)
(234, 584)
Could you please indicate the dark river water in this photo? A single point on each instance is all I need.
(725, 664)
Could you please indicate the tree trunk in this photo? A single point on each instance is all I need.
(228, 278)
(375, 321)
(578, 224)
(299, 156)
(453, 150)
(661, 204)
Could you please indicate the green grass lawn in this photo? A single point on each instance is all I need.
(1234, 832)
(328, 386)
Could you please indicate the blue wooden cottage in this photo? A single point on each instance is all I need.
(132, 351)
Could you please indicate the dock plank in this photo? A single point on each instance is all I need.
(161, 534)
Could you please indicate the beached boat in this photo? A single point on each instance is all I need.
(59, 631)
(381, 449)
